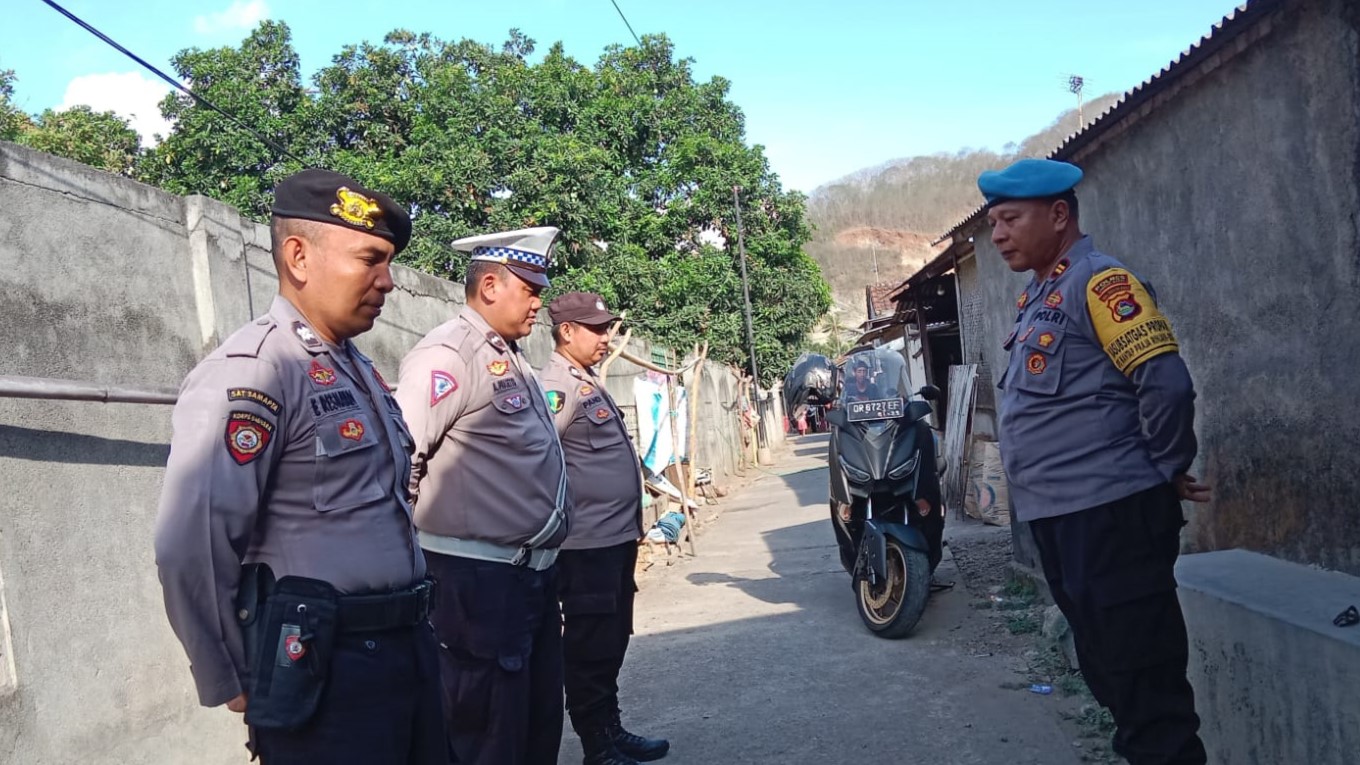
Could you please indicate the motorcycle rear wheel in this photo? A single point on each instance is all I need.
(891, 609)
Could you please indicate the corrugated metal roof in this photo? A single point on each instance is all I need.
(1232, 25)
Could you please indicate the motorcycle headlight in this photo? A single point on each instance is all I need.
(905, 468)
(855, 474)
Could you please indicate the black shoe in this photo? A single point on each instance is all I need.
(637, 747)
(599, 749)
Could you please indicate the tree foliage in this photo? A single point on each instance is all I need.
(631, 157)
(99, 139)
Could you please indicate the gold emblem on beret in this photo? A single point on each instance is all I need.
(356, 209)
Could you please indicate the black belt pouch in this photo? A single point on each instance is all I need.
(294, 646)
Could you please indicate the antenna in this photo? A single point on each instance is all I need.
(1075, 83)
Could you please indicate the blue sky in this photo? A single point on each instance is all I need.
(827, 87)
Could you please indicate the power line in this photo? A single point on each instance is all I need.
(625, 22)
(173, 82)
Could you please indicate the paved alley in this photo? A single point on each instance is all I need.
(753, 652)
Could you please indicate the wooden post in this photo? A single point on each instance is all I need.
(679, 465)
(695, 390)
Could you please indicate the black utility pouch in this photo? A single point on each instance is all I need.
(257, 581)
(294, 645)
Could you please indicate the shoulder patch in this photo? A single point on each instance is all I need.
(442, 385)
(247, 436)
(258, 396)
(1127, 322)
(556, 400)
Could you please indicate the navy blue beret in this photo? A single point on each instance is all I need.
(328, 197)
(1028, 179)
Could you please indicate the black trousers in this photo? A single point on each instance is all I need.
(381, 706)
(500, 633)
(1111, 572)
(597, 589)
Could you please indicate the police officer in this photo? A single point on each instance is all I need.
(599, 556)
(1097, 436)
(492, 506)
(290, 454)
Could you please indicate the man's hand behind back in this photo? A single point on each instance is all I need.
(1188, 487)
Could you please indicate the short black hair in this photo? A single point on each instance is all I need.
(1070, 197)
(476, 270)
(281, 228)
(557, 333)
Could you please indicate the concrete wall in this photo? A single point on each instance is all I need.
(1274, 679)
(1238, 196)
(110, 281)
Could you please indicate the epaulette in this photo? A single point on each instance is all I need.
(248, 340)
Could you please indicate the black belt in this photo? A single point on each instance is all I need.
(387, 611)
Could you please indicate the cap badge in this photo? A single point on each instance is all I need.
(356, 209)
(599, 305)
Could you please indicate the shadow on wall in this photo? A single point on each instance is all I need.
(78, 449)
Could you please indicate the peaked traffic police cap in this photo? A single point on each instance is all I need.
(328, 197)
(527, 252)
(1028, 179)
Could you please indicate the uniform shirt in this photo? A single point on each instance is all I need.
(287, 450)
(603, 471)
(1097, 402)
(487, 462)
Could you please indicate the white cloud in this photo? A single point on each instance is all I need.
(128, 94)
(241, 15)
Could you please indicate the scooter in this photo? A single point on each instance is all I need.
(885, 491)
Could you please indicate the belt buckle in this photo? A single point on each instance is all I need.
(523, 556)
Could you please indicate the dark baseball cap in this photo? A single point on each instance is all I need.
(580, 307)
(329, 197)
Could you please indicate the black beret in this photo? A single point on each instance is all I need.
(328, 197)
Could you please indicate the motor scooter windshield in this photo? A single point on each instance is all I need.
(874, 388)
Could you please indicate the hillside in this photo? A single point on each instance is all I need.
(890, 213)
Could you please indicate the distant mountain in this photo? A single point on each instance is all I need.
(888, 214)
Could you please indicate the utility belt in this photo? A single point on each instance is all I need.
(529, 555)
(289, 629)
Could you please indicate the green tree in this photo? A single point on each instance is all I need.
(632, 158)
(13, 121)
(261, 84)
(98, 139)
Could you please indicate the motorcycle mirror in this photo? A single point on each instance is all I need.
(929, 393)
(836, 417)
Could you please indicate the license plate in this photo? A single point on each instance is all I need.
(882, 409)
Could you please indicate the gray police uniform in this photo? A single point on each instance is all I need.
(286, 451)
(1096, 419)
(289, 451)
(599, 557)
(489, 478)
(1079, 378)
(602, 464)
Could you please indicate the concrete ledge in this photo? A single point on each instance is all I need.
(1275, 681)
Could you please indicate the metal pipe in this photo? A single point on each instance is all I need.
(50, 389)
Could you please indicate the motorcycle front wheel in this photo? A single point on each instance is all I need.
(891, 608)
